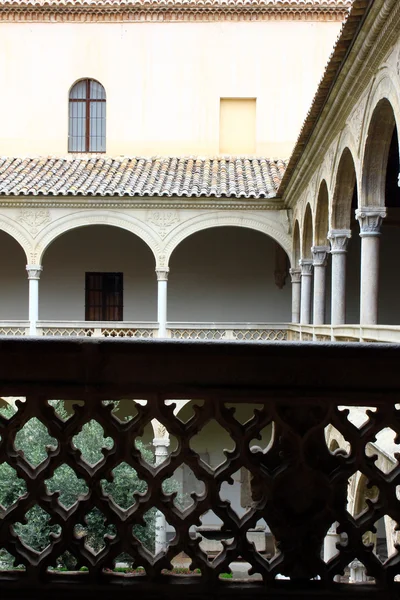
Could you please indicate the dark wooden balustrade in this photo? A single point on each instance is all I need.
(299, 487)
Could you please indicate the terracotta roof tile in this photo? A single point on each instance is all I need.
(306, 4)
(236, 177)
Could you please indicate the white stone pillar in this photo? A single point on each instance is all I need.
(370, 219)
(320, 260)
(34, 272)
(306, 280)
(330, 550)
(295, 276)
(162, 283)
(339, 239)
(357, 572)
(161, 453)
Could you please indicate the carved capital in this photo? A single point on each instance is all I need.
(162, 274)
(295, 275)
(339, 239)
(306, 265)
(34, 271)
(370, 219)
(320, 255)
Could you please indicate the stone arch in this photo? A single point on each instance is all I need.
(343, 192)
(307, 234)
(322, 216)
(86, 218)
(296, 253)
(211, 220)
(15, 231)
(376, 152)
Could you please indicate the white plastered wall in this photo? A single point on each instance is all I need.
(226, 274)
(163, 82)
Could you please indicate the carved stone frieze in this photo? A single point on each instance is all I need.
(34, 218)
(163, 221)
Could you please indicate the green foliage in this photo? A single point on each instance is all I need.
(34, 441)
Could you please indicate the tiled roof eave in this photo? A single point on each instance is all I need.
(239, 178)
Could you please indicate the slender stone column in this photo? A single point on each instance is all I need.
(339, 239)
(370, 219)
(161, 453)
(34, 272)
(306, 280)
(162, 283)
(320, 260)
(295, 276)
(330, 550)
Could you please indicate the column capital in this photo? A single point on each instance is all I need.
(339, 239)
(320, 255)
(162, 273)
(34, 271)
(295, 275)
(370, 220)
(306, 265)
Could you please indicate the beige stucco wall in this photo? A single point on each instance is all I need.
(163, 81)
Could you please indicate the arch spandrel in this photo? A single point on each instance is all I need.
(210, 220)
(86, 218)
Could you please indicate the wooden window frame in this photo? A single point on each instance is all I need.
(88, 101)
(104, 306)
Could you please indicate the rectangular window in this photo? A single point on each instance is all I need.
(237, 126)
(104, 297)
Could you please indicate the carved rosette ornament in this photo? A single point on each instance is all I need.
(295, 275)
(370, 220)
(162, 274)
(320, 255)
(34, 219)
(306, 265)
(34, 271)
(339, 239)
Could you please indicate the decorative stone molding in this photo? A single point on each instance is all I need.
(320, 255)
(339, 239)
(162, 273)
(295, 275)
(306, 265)
(103, 11)
(34, 271)
(370, 220)
(163, 221)
(34, 219)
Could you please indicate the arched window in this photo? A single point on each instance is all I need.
(87, 117)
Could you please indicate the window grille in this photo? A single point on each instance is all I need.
(104, 297)
(87, 117)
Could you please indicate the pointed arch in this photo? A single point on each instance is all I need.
(322, 216)
(307, 234)
(376, 153)
(296, 253)
(344, 190)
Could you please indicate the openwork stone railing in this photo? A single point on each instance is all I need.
(298, 485)
(228, 331)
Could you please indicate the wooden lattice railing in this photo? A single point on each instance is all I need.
(298, 486)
